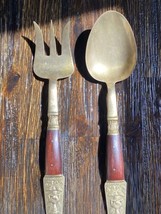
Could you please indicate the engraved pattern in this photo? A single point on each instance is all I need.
(53, 122)
(116, 197)
(54, 193)
(113, 127)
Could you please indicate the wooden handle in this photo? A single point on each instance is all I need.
(53, 162)
(115, 164)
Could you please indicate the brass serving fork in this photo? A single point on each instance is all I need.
(53, 67)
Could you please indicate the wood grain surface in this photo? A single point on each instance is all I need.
(82, 107)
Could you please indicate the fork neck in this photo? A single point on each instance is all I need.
(53, 105)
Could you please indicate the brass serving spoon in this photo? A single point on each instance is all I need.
(110, 57)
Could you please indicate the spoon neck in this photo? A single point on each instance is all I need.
(112, 114)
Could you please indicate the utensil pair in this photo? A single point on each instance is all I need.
(110, 57)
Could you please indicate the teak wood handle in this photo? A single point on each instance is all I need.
(115, 164)
(115, 186)
(53, 180)
(53, 162)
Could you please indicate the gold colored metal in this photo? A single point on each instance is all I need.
(53, 122)
(113, 126)
(111, 57)
(53, 67)
(116, 196)
(111, 54)
(54, 193)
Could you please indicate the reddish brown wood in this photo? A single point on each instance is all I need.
(115, 164)
(53, 162)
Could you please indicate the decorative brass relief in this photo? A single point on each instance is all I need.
(54, 193)
(113, 127)
(53, 122)
(116, 197)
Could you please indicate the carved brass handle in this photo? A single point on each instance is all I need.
(116, 196)
(54, 193)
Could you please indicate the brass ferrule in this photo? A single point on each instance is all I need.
(53, 122)
(113, 126)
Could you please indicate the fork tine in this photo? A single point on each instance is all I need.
(66, 40)
(52, 40)
(39, 40)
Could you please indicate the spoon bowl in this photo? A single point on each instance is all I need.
(111, 49)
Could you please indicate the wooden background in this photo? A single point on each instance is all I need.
(82, 105)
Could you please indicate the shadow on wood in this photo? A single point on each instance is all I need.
(79, 54)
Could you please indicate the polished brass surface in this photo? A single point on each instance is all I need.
(110, 57)
(116, 196)
(112, 115)
(54, 193)
(53, 67)
(111, 54)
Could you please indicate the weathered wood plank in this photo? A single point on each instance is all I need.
(82, 101)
